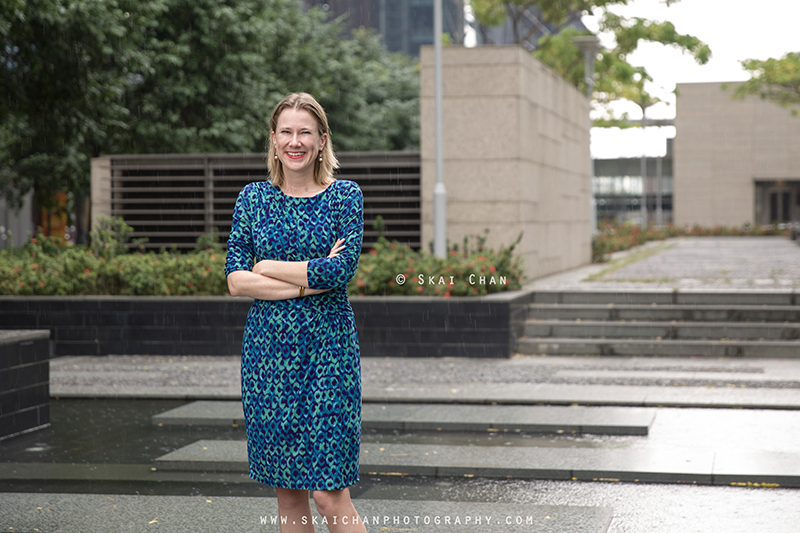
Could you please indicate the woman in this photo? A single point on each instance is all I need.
(294, 244)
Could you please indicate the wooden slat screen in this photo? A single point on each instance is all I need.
(173, 199)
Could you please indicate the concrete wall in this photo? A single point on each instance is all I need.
(723, 147)
(16, 226)
(516, 155)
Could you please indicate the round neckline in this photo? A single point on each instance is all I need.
(320, 193)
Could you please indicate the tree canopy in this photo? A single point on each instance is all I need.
(556, 23)
(83, 78)
(777, 80)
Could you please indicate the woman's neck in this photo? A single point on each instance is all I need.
(300, 186)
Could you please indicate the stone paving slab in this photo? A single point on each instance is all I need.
(66, 513)
(730, 377)
(684, 465)
(501, 393)
(416, 417)
(667, 348)
(230, 392)
(562, 394)
(693, 263)
(646, 295)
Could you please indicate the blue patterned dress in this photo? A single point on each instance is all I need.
(301, 373)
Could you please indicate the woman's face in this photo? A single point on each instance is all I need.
(298, 142)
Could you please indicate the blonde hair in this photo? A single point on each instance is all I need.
(323, 170)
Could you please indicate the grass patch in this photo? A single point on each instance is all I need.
(630, 258)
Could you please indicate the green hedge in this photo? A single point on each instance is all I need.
(472, 270)
(45, 266)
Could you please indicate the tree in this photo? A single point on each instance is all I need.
(555, 21)
(83, 78)
(218, 68)
(63, 68)
(777, 80)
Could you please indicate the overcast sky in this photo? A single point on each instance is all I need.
(734, 29)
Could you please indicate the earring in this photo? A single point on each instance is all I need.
(320, 156)
(276, 157)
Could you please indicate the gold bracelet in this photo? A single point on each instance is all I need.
(302, 291)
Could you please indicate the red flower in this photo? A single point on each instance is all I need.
(419, 288)
(34, 266)
(87, 271)
(447, 294)
(373, 251)
(190, 285)
(492, 269)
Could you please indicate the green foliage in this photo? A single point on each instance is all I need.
(45, 266)
(64, 65)
(777, 80)
(473, 271)
(82, 78)
(111, 237)
(209, 242)
(613, 237)
(614, 77)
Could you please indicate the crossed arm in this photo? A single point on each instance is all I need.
(276, 280)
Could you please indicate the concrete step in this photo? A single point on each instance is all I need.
(439, 417)
(78, 513)
(666, 312)
(597, 395)
(585, 464)
(670, 296)
(586, 329)
(669, 348)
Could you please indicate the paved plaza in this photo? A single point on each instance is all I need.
(567, 443)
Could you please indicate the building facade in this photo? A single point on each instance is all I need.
(617, 188)
(736, 161)
(404, 25)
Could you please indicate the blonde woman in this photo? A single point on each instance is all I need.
(294, 245)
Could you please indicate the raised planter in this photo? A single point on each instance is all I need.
(485, 326)
(24, 381)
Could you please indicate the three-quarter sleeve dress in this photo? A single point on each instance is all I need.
(301, 374)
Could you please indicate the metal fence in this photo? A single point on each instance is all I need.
(173, 199)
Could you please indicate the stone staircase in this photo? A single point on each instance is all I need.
(663, 323)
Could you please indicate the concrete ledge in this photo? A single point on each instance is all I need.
(586, 464)
(669, 312)
(416, 417)
(644, 312)
(24, 381)
(405, 326)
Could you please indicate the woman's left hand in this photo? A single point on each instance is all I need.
(337, 247)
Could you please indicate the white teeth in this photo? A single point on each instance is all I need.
(295, 154)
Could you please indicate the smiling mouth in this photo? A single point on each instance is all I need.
(295, 155)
